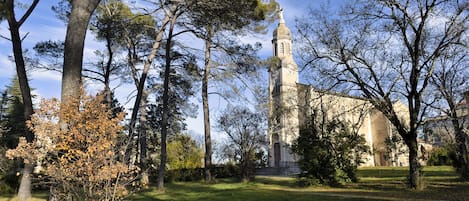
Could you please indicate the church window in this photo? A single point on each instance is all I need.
(324, 110)
(288, 48)
(276, 90)
(275, 50)
(282, 48)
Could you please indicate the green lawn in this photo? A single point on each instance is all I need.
(384, 183)
(37, 197)
(265, 189)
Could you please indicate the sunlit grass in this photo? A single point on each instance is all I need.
(191, 191)
(36, 197)
(376, 183)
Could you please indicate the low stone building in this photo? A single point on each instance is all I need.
(439, 130)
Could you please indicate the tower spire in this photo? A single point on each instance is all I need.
(282, 41)
(280, 16)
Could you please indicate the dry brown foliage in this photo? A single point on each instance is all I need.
(77, 149)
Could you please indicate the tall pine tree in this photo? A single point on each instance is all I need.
(12, 115)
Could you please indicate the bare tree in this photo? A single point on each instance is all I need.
(450, 84)
(386, 51)
(246, 137)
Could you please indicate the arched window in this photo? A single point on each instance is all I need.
(275, 138)
(275, 50)
(282, 48)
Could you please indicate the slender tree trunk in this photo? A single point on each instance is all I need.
(20, 68)
(459, 135)
(74, 45)
(24, 191)
(140, 88)
(414, 165)
(208, 142)
(165, 116)
(107, 74)
(462, 149)
(143, 143)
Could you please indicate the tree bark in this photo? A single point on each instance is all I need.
(208, 142)
(414, 165)
(165, 116)
(24, 191)
(459, 135)
(74, 46)
(461, 148)
(107, 74)
(143, 144)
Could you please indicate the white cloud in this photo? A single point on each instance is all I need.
(5, 33)
(7, 68)
(39, 33)
(437, 22)
(125, 94)
(292, 9)
(264, 40)
(37, 97)
(45, 75)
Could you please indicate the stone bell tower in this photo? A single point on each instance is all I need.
(283, 97)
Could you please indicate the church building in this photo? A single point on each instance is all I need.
(291, 103)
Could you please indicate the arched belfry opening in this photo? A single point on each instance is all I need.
(282, 48)
(277, 155)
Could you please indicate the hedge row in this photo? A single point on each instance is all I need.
(197, 174)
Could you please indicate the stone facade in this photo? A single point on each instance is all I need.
(291, 103)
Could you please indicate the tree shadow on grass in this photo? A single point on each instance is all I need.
(284, 188)
(281, 181)
(266, 190)
(436, 188)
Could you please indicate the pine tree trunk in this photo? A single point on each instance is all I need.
(165, 116)
(143, 144)
(107, 75)
(24, 192)
(140, 88)
(74, 46)
(208, 142)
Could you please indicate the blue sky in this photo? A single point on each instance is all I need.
(43, 25)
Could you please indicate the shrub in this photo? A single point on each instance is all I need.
(78, 149)
(184, 153)
(442, 156)
(197, 174)
(330, 152)
(194, 174)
